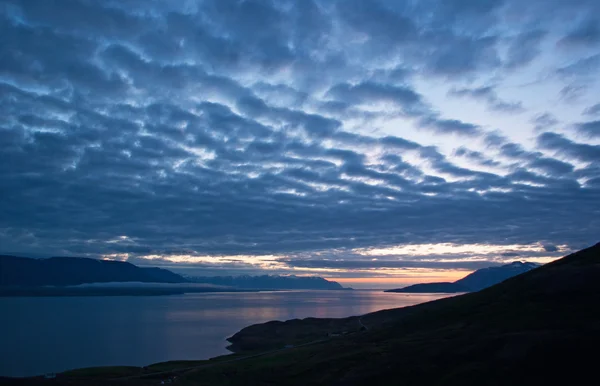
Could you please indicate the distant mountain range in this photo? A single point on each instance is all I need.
(72, 271)
(476, 281)
(68, 271)
(269, 282)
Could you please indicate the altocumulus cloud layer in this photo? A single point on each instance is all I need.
(306, 134)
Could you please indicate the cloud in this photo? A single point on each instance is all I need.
(589, 129)
(489, 96)
(524, 48)
(407, 100)
(273, 135)
(476, 156)
(572, 93)
(580, 68)
(387, 264)
(448, 126)
(551, 166)
(544, 121)
(463, 56)
(534, 160)
(586, 33)
(579, 151)
(592, 110)
(376, 21)
(371, 93)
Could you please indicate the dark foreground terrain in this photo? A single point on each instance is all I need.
(538, 328)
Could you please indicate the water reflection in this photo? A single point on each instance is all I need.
(42, 335)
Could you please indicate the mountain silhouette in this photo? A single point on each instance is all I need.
(269, 282)
(476, 281)
(66, 271)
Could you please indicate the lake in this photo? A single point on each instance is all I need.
(41, 335)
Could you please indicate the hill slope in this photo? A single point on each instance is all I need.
(535, 328)
(476, 281)
(63, 271)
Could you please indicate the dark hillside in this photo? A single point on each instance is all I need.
(63, 271)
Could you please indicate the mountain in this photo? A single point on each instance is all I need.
(487, 277)
(442, 287)
(66, 271)
(269, 282)
(476, 281)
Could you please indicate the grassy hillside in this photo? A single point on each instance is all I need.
(275, 334)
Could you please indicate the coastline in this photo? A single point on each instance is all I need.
(273, 336)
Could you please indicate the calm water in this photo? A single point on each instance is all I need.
(40, 335)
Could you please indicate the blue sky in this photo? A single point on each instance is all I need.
(350, 139)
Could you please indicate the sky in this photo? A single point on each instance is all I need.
(372, 142)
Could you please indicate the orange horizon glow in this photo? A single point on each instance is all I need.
(445, 254)
(406, 279)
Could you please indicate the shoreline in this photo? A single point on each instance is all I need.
(250, 341)
(292, 331)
